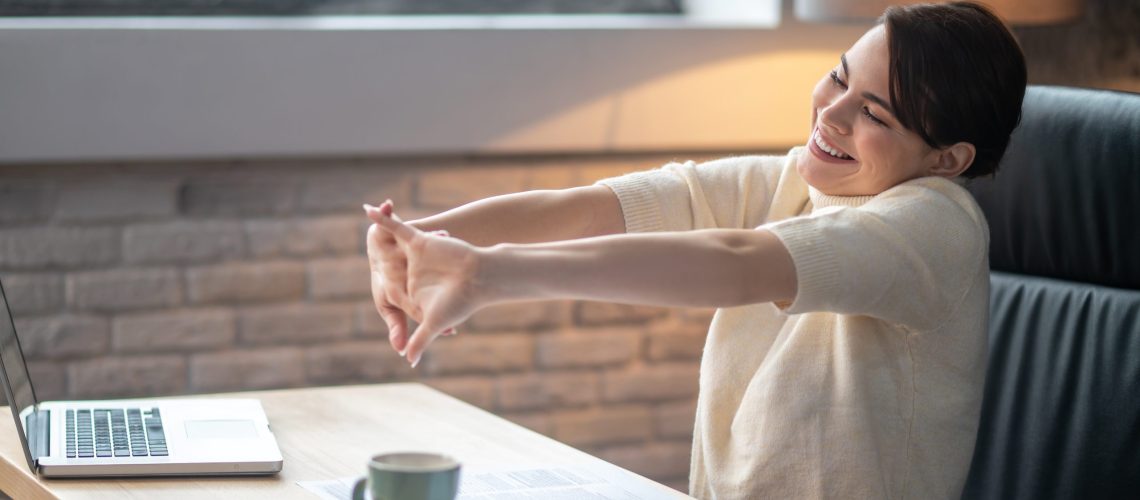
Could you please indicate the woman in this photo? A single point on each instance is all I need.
(848, 355)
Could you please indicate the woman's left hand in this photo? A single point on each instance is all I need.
(440, 281)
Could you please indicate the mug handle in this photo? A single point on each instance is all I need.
(359, 488)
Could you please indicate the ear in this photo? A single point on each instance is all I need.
(952, 160)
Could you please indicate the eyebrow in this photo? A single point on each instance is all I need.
(867, 95)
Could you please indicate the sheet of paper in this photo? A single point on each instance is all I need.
(510, 483)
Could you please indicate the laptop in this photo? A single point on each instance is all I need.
(133, 437)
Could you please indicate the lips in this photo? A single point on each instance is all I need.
(827, 151)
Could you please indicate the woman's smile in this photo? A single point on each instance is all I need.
(826, 150)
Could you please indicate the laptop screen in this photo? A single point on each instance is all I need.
(17, 382)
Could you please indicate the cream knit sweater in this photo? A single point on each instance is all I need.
(869, 384)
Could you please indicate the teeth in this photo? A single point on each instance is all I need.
(830, 150)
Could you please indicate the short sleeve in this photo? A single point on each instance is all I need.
(908, 256)
(726, 193)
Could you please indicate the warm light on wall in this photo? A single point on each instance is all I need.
(638, 117)
(1019, 12)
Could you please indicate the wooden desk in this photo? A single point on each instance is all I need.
(328, 433)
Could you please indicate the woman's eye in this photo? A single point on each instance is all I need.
(873, 118)
(835, 79)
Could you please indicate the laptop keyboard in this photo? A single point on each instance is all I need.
(117, 432)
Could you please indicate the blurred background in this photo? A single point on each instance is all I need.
(181, 181)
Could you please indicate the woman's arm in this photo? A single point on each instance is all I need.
(532, 217)
(705, 268)
(449, 279)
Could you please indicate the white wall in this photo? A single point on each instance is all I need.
(97, 90)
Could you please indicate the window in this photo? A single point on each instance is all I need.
(330, 7)
(137, 86)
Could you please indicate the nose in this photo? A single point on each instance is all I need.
(835, 117)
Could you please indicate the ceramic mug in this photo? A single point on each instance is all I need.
(409, 476)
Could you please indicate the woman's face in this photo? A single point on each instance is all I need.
(857, 147)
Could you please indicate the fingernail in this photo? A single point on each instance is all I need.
(416, 362)
(368, 208)
(403, 352)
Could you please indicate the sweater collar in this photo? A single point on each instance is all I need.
(820, 200)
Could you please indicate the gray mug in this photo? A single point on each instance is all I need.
(409, 476)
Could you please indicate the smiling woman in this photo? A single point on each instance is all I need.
(935, 126)
(848, 356)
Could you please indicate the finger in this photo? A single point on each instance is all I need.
(375, 213)
(397, 327)
(389, 310)
(387, 263)
(399, 298)
(386, 209)
(385, 258)
(423, 336)
(375, 245)
(392, 224)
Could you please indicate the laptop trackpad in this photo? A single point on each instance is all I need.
(220, 429)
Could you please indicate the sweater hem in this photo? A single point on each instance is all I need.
(817, 270)
(638, 205)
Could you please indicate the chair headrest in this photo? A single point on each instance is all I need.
(1065, 202)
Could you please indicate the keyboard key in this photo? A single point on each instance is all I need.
(114, 432)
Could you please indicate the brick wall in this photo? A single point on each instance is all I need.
(164, 279)
(1101, 50)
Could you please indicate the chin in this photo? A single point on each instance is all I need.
(819, 173)
(809, 171)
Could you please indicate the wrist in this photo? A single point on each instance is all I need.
(493, 276)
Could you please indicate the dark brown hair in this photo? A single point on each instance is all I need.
(956, 75)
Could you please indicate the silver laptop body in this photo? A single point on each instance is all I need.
(133, 437)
